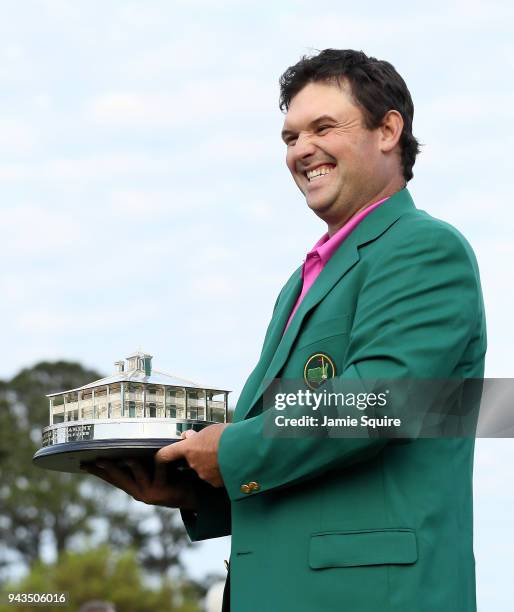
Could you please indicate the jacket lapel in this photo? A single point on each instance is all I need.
(346, 256)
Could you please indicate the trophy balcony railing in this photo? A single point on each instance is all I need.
(101, 402)
(103, 411)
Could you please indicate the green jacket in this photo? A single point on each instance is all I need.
(358, 524)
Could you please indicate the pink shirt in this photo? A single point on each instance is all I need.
(323, 250)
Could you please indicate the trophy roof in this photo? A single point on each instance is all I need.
(138, 376)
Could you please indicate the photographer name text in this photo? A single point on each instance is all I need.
(362, 421)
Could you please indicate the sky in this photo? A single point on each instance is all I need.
(146, 202)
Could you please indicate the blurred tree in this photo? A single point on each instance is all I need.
(159, 537)
(34, 502)
(98, 574)
(4, 425)
(44, 508)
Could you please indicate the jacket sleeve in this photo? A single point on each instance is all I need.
(416, 313)
(212, 517)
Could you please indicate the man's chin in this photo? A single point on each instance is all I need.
(318, 207)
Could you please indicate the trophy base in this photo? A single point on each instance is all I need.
(68, 444)
(67, 457)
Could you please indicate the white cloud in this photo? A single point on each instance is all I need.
(17, 137)
(260, 210)
(13, 52)
(352, 28)
(181, 159)
(99, 167)
(139, 202)
(29, 229)
(83, 317)
(467, 107)
(212, 287)
(197, 102)
(43, 100)
(133, 108)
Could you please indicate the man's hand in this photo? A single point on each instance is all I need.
(176, 491)
(200, 450)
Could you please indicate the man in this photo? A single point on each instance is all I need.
(350, 524)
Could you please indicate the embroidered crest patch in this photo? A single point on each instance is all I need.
(318, 368)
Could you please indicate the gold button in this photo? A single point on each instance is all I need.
(254, 486)
(245, 488)
(226, 564)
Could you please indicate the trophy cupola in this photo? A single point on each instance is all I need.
(140, 362)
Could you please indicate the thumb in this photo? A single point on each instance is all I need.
(169, 453)
(188, 433)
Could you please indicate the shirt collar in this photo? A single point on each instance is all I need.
(326, 245)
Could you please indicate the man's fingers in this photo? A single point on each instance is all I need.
(160, 475)
(170, 453)
(91, 468)
(188, 433)
(139, 473)
(117, 477)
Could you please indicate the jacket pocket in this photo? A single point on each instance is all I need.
(369, 547)
(334, 326)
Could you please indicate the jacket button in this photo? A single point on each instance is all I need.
(245, 488)
(254, 486)
(226, 564)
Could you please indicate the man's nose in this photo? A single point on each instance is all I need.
(304, 146)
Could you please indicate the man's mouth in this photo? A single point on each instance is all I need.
(317, 173)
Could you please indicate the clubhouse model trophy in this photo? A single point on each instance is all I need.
(130, 414)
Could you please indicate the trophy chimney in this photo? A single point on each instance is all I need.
(120, 366)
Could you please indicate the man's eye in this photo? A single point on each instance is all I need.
(290, 142)
(322, 127)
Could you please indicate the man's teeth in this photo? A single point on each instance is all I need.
(317, 172)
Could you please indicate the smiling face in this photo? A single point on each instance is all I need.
(338, 164)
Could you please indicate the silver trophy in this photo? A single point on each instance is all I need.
(130, 414)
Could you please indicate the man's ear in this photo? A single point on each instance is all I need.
(390, 130)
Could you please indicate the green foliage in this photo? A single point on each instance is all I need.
(32, 384)
(98, 574)
(35, 501)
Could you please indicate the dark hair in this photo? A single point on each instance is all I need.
(376, 88)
